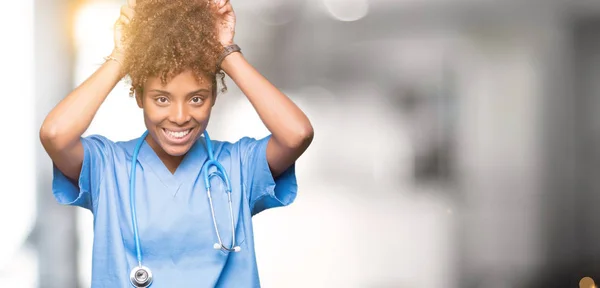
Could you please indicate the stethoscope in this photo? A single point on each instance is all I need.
(140, 275)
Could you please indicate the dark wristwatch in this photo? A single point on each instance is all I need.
(226, 51)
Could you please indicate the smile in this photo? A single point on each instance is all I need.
(177, 136)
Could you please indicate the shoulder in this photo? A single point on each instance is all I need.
(104, 144)
(98, 139)
(244, 148)
(247, 142)
(253, 146)
(99, 144)
(243, 145)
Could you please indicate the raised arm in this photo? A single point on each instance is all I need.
(291, 130)
(63, 127)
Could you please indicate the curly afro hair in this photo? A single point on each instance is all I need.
(167, 37)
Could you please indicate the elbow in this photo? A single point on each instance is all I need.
(303, 137)
(307, 135)
(51, 138)
(47, 134)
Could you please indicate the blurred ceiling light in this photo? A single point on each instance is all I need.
(347, 10)
(94, 27)
(587, 282)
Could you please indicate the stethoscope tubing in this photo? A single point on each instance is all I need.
(221, 173)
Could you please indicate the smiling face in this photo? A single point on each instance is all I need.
(177, 113)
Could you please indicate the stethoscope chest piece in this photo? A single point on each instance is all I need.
(140, 277)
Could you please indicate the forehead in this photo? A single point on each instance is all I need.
(183, 82)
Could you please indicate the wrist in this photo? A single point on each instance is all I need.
(117, 59)
(117, 55)
(228, 51)
(229, 61)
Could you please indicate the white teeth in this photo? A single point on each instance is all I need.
(177, 134)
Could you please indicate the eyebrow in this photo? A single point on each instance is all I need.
(191, 93)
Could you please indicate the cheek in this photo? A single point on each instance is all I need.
(202, 116)
(154, 116)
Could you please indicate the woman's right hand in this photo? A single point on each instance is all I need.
(127, 14)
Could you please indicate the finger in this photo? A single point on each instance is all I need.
(222, 3)
(127, 12)
(123, 20)
(225, 9)
(131, 3)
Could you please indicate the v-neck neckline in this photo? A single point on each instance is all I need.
(187, 170)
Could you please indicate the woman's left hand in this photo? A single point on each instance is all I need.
(225, 22)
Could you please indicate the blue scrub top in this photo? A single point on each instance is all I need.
(173, 214)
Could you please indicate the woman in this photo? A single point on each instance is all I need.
(153, 222)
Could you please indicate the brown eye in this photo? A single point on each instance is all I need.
(196, 100)
(162, 100)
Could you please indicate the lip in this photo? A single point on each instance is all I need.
(177, 141)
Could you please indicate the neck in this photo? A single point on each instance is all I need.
(171, 162)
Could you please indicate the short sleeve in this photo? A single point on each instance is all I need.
(265, 192)
(96, 156)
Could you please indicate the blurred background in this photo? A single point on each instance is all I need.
(457, 141)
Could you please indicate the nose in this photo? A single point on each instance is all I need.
(180, 114)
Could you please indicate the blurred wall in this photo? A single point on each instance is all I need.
(54, 235)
